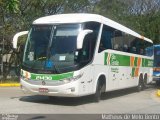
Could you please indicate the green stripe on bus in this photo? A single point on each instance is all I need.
(135, 61)
(52, 77)
(124, 60)
(105, 58)
(143, 62)
(133, 71)
(148, 63)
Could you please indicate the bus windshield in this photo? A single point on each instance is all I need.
(157, 56)
(51, 47)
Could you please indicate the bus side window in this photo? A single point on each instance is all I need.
(141, 51)
(125, 48)
(133, 50)
(127, 42)
(116, 47)
(86, 53)
(134, 45)
(105, 42)
(117, 40)
(101, 47)
(148, 49)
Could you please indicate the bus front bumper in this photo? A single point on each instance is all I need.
(66, 90)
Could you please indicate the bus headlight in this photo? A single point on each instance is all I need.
(67, 80)
(23, 78)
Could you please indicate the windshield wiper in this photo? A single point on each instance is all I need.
(49, 49)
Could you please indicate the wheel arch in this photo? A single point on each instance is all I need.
(141, 75)
(103, 81)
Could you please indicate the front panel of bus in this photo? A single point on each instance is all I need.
(52, 64)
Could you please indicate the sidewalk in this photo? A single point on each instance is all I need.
(9, 83)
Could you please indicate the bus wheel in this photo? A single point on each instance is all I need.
(145, 81)
(97, 95)
(140, 86)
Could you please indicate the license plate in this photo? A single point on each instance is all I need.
(43, 90)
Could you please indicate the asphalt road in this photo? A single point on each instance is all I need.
(13, 101)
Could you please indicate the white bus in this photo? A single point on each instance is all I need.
(74, 55)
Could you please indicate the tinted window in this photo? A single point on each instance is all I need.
(148, 48)
(117, 40)
(157, 56)
(120, 41)
(92, 38)
(106, 37)
(137, 45)
(127, 42)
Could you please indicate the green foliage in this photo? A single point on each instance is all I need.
(76, 6)
(113, 9)
(141, 16)
(12, 5)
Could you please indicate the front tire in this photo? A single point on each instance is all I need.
(97, 95)
(140, 86)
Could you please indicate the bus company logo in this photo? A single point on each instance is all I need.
(43, 83)
(114, 60)
(43, 78)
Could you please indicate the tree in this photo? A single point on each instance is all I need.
(142, 16)
(76, 6)
(145, 17)
(113, 9)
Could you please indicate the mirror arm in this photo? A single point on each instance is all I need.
(81, 36)
(16, 36)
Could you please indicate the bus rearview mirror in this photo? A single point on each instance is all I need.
(16, 36)
(81, 36)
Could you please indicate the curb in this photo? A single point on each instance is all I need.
(158, 93)
(10, 85)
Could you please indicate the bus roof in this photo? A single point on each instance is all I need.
(84, 17)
